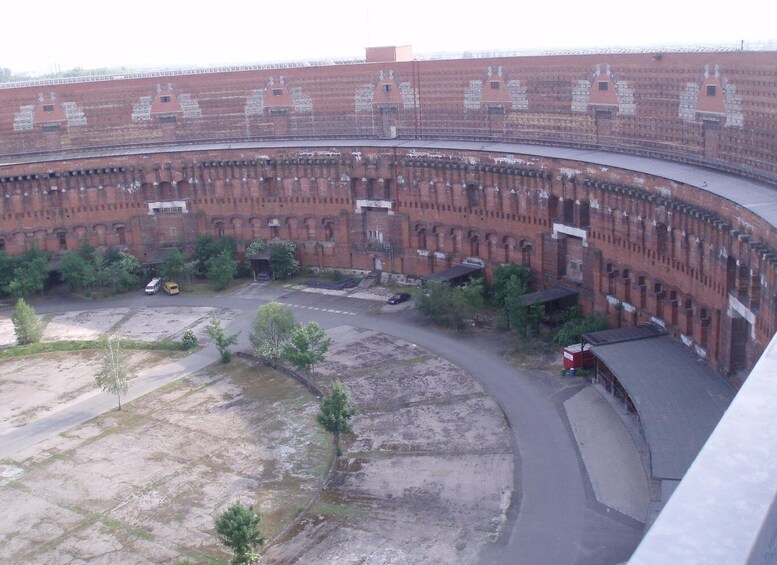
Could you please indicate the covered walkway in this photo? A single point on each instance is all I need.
(678, 398)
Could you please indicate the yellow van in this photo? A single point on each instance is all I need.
(171, 288)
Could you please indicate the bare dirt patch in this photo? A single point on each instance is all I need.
(153, 324)
(31, 387)
(7, 335)
(145, 483)
(85, 324)
(427, 475)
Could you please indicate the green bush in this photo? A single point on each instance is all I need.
(188, 340)
(575, 325)
(26, 324)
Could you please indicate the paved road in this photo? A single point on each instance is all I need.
(554, 518)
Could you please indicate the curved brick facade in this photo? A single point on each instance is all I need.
(637, 245)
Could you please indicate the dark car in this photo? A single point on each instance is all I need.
(399, 298)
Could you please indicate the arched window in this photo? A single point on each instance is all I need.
(526, 255)
(421, 238)
(474, 244)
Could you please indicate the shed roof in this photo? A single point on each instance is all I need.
(454, 272)
(619, 335)
(548, 295)
(679, 398)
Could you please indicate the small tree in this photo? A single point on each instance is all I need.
(220, 338)
(575, 325)
(272, 329)
(29, 274)
(173, 266)
(238, 529)
(7, 268)
(114, 374)
(77, 271)
(432, 300)
(119, 271)
(534, 315)
(188, 340)
(206, 247)
(336, 411)
(222, 268)
(255, 247)
(449, 305)
(283, 260)
(504, 284)
(26, 325)
(465, 303)
(307, 346)
(517, 313)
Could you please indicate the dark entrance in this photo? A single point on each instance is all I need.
(740, 330)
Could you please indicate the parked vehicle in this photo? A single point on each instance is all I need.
(171, 287)
(399, 298)
(153, 286)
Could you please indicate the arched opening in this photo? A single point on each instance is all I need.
(421, 237)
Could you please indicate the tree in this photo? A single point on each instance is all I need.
(307, 346)
(7, 267)
(272, 329)
(503, 283)
(256, 247)
(575, 325)
(220, 338)
(114, 374)
(188, 340)
(113, 275)
(431, 301)
(26, 325)
(283, 260)
(77, 271)
(534, 315)
(517, 314)
(336, 411)
(206, 247)
(449, 305)
(29, 273)
(173, 266)
(222, 268)
(131, 270)
(465, 303)
(238, 529)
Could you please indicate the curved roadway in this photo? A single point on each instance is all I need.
(554, 518)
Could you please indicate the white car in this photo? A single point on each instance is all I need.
(154, 286)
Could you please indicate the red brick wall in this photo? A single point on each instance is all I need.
(688, 249)
(652, 104)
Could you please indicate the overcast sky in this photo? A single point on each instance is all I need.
(51, 35)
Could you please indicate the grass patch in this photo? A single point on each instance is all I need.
(118, 526)
(535, 353)
(331, 509)
(123, 420)
(203, 287)
(55, 456)
(199, 557)
(85, 345)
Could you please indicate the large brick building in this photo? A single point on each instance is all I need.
(153, 161)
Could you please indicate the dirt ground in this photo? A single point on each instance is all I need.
(147, 324)
(144, 484)
(427, 475)
(32, 387)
